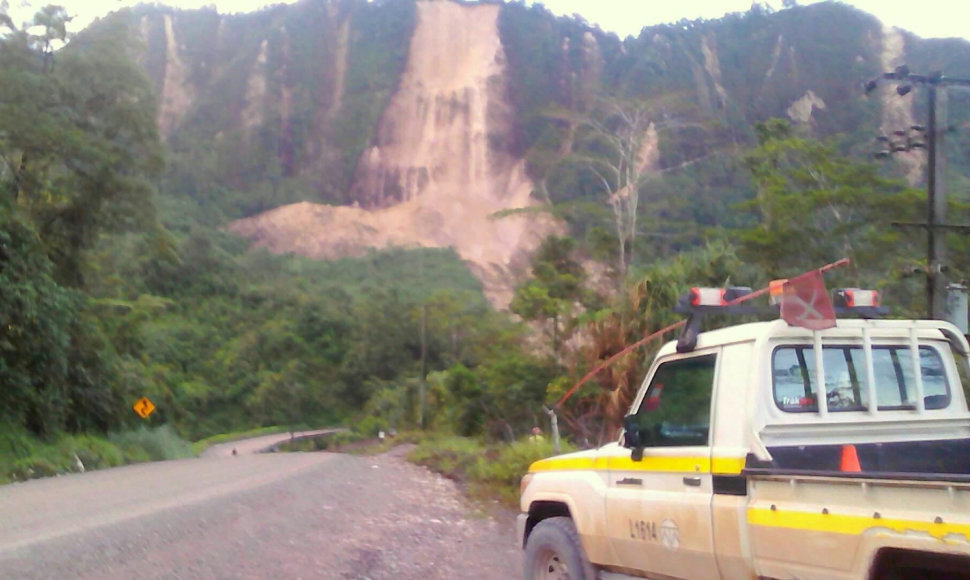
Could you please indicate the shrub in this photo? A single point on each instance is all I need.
(369, 426)
(509, 463)
(35, 467)
(492, 471)
(341, 438)
(23, 456)
(93, 452)
(158, 444)
(16, 443)
(453, 457)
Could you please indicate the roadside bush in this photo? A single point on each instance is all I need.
(23, 456)
(369, 426)
(492, 471)
(506, 465)
(453, 457)
(158, 444)
(35, 467)
(341, 438)
(16, 443)
(503, 467)
(93, 452)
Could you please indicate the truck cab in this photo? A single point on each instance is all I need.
(772, 451)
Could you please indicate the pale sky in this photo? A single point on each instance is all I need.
(926, 18)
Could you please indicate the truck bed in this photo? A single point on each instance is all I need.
(938, 460)
(827, 523)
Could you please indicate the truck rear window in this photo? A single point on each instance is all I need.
(846, 387)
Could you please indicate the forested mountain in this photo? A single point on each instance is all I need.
(388, 108)
(446, 160)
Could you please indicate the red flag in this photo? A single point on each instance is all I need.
(806, 303)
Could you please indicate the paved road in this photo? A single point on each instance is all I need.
(299, 515)
(259, 444)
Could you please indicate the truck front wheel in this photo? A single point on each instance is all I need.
(553, 551)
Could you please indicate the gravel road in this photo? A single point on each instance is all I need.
(285, 515)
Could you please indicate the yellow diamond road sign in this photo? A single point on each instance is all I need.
(143, 407)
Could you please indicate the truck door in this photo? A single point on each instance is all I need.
(659, 508)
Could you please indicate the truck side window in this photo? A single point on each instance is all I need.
(676, 409)
(963, 370)
(846, 385)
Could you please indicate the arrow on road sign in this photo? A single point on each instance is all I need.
(143, 407)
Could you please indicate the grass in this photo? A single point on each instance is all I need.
(487, 471)
(24, 456)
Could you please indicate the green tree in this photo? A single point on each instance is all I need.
(455, 322)
(513, 391)
(53, 19)
(595, 411)
(609, 154)
(815, 205)
(556, 285)
(283, 398)
(78, 142)
(77, 150)
(35, 330)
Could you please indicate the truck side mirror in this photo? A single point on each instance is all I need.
(631, 437)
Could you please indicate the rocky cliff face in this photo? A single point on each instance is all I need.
(261, 91)
(437, 173)
(440, 130)
(176, 94)
(411, 120)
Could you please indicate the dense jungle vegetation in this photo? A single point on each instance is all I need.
(117, 282)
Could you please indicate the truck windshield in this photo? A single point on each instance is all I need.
(846, 386)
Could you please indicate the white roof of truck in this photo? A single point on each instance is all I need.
(845, 328)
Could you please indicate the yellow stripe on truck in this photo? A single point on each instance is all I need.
(849, 524)
(569, 464)
(727, 465)
(720, 465)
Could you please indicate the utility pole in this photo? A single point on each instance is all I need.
(936, 226)
(424, 364)
(422, 385)
(936, 204)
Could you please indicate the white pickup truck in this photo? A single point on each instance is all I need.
(731, 466)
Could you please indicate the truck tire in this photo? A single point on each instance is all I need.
(553, 551)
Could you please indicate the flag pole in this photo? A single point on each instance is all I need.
(834, 265)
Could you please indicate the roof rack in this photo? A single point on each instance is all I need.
(699, 301)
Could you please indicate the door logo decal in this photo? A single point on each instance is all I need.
(669, 535)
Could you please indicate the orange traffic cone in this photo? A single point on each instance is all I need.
(850, 460)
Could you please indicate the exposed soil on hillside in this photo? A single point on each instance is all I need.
(438, 172)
